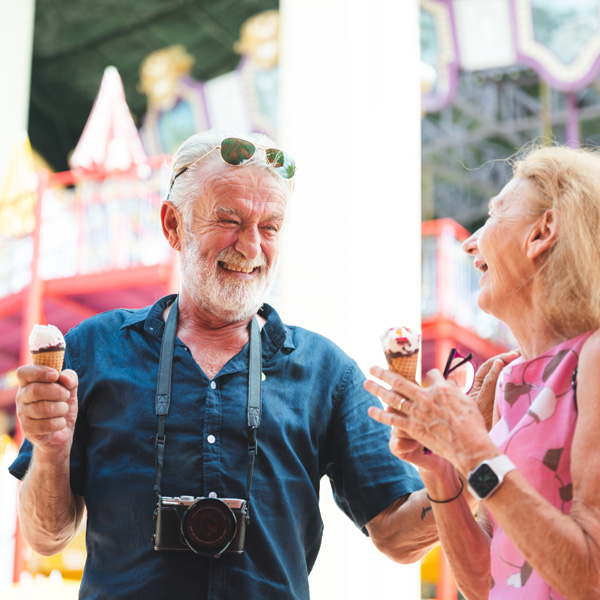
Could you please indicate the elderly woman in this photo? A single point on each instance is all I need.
(536, 475)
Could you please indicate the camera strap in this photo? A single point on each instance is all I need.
(163, 394)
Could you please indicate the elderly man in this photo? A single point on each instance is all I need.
(196, 431)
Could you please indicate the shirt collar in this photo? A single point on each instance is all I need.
(151, 316)
(277, 335)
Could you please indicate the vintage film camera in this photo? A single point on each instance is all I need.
(206, 526)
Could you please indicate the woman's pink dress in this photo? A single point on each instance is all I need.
(536, 399)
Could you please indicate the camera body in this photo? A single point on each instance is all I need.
(206, 526)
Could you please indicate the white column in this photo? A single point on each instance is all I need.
(350, 97)
(16, 43)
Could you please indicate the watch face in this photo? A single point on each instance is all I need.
(483, 480)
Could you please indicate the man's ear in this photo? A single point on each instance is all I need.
(171, 222)
(542, 235)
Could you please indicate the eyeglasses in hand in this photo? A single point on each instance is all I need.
(460, 369)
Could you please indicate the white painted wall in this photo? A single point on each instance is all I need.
(350, 97)
(16, 43)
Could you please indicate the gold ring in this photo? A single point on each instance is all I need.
(402, 403)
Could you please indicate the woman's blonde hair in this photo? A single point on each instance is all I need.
(568, 182)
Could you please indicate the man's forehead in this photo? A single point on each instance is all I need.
(266, 183)
(245, 184)
(223, 197)
(270, 210)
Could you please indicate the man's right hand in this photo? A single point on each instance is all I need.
(47, 411)
(47, 407)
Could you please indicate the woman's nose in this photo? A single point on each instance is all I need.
(470, 244)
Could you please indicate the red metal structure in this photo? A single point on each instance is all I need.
(450, 317)
(99, 246)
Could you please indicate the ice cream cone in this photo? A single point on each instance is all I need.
(401, 348)
(47, 346)
(52, 359)
(405, 365)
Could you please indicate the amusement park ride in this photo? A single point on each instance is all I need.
(82, 241)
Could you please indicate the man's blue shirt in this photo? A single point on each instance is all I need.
(314, 423)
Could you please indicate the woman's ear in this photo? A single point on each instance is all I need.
(170, 219)
(542, 235)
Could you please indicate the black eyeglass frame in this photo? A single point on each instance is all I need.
(454, 353)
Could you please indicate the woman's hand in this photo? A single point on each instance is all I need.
(439, 417)
(406, 448)
(484, 385)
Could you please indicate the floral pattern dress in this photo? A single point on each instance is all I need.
(538, 413)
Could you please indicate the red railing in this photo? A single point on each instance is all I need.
(86, 226)
(450, 282)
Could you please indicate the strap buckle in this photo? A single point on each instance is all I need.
(252, 440)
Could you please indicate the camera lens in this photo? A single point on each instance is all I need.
(208, 526)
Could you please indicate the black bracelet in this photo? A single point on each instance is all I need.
(462, 487)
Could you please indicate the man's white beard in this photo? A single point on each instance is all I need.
(213, 291)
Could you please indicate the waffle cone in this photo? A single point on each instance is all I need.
(50, 359)
(404, 365)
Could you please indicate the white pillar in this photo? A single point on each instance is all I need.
(350, 97)
(16, 43)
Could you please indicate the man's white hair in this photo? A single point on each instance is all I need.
(190, 184)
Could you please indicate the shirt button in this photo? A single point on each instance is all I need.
(213, 385)
(211, 439)
(212, 495)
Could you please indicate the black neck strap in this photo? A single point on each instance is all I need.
(163, 394)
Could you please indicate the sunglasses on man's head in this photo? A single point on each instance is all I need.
(237, 152)
(460, 369)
